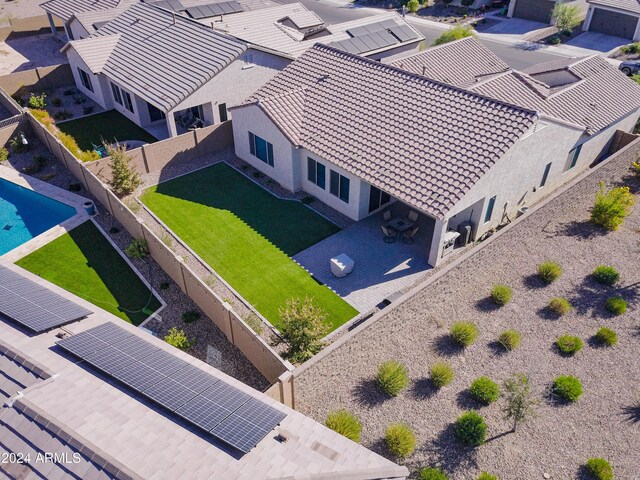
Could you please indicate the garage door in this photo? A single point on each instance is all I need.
(613, 23)
(534, 10)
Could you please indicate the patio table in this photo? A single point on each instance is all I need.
(401, 224)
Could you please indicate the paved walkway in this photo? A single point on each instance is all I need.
(380, 269)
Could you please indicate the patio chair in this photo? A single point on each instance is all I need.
(197, 123)
(389, 234)
(413, 216)
(101, 150)
(409, 236)
(187, 119)
(386, 217)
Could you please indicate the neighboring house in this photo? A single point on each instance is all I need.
(166, 72)
(475, 144)
(539, 10)
(292, 29)
(614, 17)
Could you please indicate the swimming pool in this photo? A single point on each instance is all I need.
(25, 214)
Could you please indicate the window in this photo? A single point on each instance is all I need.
(128, 104)
(545, 175)
(261, 149)
(377, 198)
(117, 96)
(316, 173)
(573, 157)
(85, 79)
(248, 60)
(222, 110)
(155, 114)
(489, 214)
(339, 186)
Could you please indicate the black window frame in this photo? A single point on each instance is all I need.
(256, 151)
(574, 154)
(545, 175)
(85, 79)
(377, 198)
(222, 111)
(339, 186)
(490, 207)
(128, 102)
(316, 173)
(117, 94)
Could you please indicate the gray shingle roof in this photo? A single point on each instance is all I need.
(422, 141)
(629, 5)
(161, 57)
(588, 92)
(65, 9)
(459, 63)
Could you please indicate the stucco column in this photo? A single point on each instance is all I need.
(587, 20)
(636, 35)
(512, 7)
(171, 125)
(52, 25)
(435, 250)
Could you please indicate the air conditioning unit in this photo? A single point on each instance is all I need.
(464, 229)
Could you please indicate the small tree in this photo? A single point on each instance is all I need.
(566, 16)
(455, 33)
(611, 207)
(177, 338)
(124, 178)
(413, 6)
(521, 401)
(303, 328)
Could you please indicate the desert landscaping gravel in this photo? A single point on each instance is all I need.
(562, 437)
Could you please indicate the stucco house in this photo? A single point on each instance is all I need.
(614, 17)
(539, 10)
(460, 142)
(165, 72)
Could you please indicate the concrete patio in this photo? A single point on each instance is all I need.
(380, 270)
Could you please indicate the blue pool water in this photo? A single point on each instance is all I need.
(25, 214)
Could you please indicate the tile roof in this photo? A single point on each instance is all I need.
(161, 57)
(459, 63)
(587, 92)
(95, 51)
(96, 18)
(292, 29)
(424, 142)
(66, 9)
(628, 5)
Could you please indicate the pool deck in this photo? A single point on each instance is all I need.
(51, 191)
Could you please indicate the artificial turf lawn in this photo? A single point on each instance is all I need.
(109, 127)
(84, 263)
(248, 236)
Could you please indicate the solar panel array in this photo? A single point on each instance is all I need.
(367, 38)
(214, 9)
(34, 306)
(203, 400)
(173, 5)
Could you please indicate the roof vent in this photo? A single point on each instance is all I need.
(285, 436)
(323, 77)
(325, 451)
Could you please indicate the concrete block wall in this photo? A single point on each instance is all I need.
(38, 79)
(27, 25)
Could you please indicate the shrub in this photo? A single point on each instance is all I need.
(40, 161)
(560, 306)
(177, 338)
(566, 16)
(308, 200)
(455, 33)
(413, 6)
(470, 428)
(303, 326)
(606, 275)
(486, 476)
(74, 187)
(56, 102)
(606, 336)
(567, 387)
(510, 339)
(441, 374)
(345, 423)
(521, 402)
(70, 143)
(467, 3)
(569, 345)
(44, 118)
(464, 333)
(254, 323)
(432, 473)
(68, 92)
(137, 249)
(37, 101)
(392, 377)
(124, 178)
(16, 144)
(4, 154)
(632, 48)
(599, 469)
(501, 294)
(484, 390)
(554, 40)
(62, 114)
(87, 110)
(549, 271)
(616, 305)
(164, 285)
(400, 440)
(611, 207)
(190, 316)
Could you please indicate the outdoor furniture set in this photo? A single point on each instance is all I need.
(406, 228)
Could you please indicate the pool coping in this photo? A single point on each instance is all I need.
(56, 193)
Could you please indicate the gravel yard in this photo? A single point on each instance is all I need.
(561, 438)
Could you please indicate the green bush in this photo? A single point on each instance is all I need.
(510, 339)
(392, 377)
(569, 345)
(486, 476)
(63, 115)
(56, 102)
(137, 249)
(178, 339)
(484, 390)
(616, 305)
(302, 329)
(400, 440)
(606, 275)
(124, 178)
(599, 469)
(632, 48)
(455, 33)
(441, 374)
(4, 154)
(413, 6)
(501, 294)
(560, 306)
(432, 473)
(470, 428)
(606, 336)
(464, 333)
(549, 271)
(190, 316)
(554, 40)
(611, 207)
(345, 423)
(567, 387)
(37, 101)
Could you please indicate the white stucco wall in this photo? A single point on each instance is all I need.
(97, 81)
(77, 30)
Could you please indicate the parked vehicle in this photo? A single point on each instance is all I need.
(630, 68)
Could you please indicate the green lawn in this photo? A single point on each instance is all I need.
(248, 236)
(86, 264)
(109, 126)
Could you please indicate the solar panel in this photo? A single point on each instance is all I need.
(203, 413)
(214, 9)
(34, 306)
(403, 33)
(109, 360)
(194, 379)
(227, 396)
(82, 344)
(110, 333)
(163, 362)
(135, 347)
(174, 5)
(169, 393)
(139, 377)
